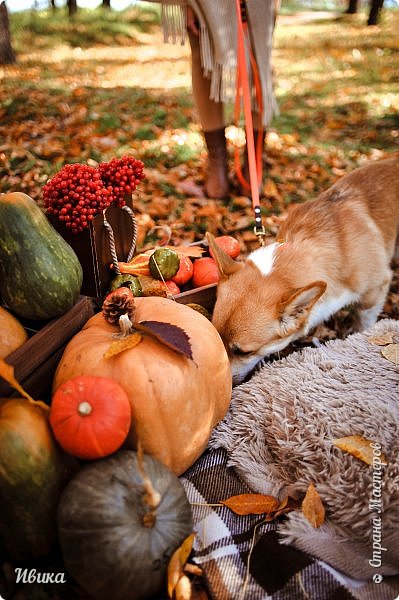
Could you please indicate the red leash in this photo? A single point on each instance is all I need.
(254, 158)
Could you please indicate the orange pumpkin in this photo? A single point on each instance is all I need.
(205, 272)
(175, 401)
(229, 244)
(12, 334)
(90, 416)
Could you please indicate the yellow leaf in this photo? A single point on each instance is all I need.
(177, 562)
(312, 507)
(359, 447)
(183, 589)
(391, 352)
(384, 339)
(123, 344)
(251, 504)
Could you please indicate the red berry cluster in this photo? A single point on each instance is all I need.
(123, 175)
(78, 192)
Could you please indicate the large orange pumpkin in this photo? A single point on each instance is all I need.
(175, 401)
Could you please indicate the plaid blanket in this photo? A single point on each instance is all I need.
(241, 556)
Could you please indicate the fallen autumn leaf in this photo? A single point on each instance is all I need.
(359, 447)
(251, 504)
(312, 507)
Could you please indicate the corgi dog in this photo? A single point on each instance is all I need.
(334, 251)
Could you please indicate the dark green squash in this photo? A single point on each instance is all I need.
(112, 544)
(32, 474)
(126, 280)
(40, 274)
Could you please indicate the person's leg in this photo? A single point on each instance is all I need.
(211, 117)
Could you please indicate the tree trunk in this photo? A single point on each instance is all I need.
(375, 9)
(53, 4)
(7, 55)
(352, 7)
(106, 4)
(72, 7)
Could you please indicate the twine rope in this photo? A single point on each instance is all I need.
(111, 238)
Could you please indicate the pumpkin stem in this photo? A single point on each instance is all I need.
(149, 519)
(84, 409)
(151, 497)
(125, 325)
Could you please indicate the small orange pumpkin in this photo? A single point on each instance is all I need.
(205, 272)
(175, 401)
(90, 416)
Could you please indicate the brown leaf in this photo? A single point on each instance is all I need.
(172, 336)
(251, 504)
(391, 353)
(312, 507)
(359, 447)
(177, 563)
(384, 339)
(287, 505)
(125, 343)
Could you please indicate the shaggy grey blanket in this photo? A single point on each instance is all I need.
(278, 435)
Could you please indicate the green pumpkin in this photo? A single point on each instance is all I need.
(112, 543)
(129, 281)
(164, 263)
(40, 274)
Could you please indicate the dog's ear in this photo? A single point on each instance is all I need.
(294, 308)
(226, 265)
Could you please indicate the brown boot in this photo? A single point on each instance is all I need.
(217, 183)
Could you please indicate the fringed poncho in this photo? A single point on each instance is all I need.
(218, 43)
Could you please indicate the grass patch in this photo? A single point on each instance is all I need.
(47, 28)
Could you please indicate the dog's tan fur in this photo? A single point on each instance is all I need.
(336, 250)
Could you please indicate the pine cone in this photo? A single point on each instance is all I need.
(117, 303)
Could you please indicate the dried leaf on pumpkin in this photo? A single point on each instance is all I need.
(122, 344)
(359, 447)
(312, 507)
(251, 504)
(172, 336)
